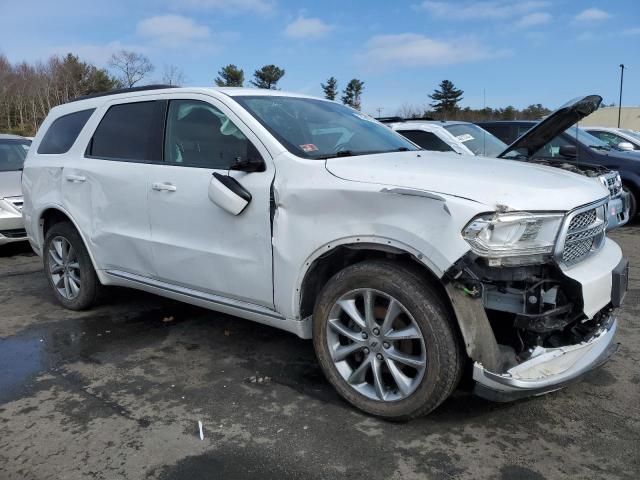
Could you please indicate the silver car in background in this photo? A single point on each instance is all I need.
(13, 150)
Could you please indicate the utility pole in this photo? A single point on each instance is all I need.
(379, 110)
(620, 101)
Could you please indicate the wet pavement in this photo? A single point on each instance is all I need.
(116, 393)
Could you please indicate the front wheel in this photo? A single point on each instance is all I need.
(633, 205)
(385, 340)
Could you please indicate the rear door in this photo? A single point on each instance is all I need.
(105, 188)
(197, 244)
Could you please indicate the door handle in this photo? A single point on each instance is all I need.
(166, 187)
(76, 178)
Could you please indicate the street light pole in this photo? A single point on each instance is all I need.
(620, 101)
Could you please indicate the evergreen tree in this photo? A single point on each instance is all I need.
(330, 88)
(446, 98)
(267, 77)
(351, 95)
(230, 76)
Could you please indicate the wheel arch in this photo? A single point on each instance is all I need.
(329, 259)
(54, 214)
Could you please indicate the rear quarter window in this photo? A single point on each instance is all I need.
(63, 132)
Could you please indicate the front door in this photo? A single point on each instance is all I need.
(195, 243)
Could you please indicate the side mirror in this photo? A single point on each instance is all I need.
(625, 146)
(227, 193)
(568, 151)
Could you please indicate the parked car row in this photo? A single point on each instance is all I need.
(408, 268)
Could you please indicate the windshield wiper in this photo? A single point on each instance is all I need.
(600, 147)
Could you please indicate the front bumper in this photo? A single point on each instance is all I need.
(548, 369)
(11, 223)
(618, 211)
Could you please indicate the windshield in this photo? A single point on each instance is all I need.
(12, 154)
(318, 129)
(587, 139)
(477, 139)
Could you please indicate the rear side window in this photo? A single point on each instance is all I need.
(427, 140)
(130, 131)
(63, 132)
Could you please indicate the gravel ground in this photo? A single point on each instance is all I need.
(116, 393)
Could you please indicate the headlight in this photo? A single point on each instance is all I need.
(515, 238)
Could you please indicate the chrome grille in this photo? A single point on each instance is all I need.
(614, 186)
(583, 233)
(582, 220)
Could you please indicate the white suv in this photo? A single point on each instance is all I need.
(404, 267)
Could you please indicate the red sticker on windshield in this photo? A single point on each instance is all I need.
(309, 147)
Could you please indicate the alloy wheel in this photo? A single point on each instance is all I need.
(376, 345)
(64, 268)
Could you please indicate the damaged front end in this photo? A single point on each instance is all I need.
(523, 321)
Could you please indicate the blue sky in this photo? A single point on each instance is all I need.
(518, 52)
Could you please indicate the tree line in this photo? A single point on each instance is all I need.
(29, 91)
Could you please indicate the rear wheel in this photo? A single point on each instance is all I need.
(69, 269)
(385, 340)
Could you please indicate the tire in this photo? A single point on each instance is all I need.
(420, 306)
(633, 204)
(76, 265)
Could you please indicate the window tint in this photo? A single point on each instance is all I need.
(200, 135)
(63, 132)
(130, 131)
(427, 140)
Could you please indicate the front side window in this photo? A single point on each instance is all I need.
(63, 132)
(477, 139)
(318, 129)
(130, 131)
(427, 140)
(609, 137)
(200, 135)
(12, 154)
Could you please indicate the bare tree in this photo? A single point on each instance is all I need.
(173, 75)
(132, 67)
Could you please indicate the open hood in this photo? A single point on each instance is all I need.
(556, 123)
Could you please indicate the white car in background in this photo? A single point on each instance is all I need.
(621, 138)
(407, 269)
(13, 150)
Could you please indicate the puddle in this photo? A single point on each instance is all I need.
(100, 338)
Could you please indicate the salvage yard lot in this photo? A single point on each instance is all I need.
(117, 392)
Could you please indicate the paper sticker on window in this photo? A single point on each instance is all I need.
(465, 137)
(25, 146)
(308, 147)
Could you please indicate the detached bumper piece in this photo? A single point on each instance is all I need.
(548, 369)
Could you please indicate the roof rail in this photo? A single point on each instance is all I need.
(122, 90)
(401, 119)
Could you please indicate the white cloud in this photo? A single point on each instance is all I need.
(307, 27)
(412, 49)
(171, 30)
(495, 10)
(230, 6)
(534, 19)
(592, 15)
